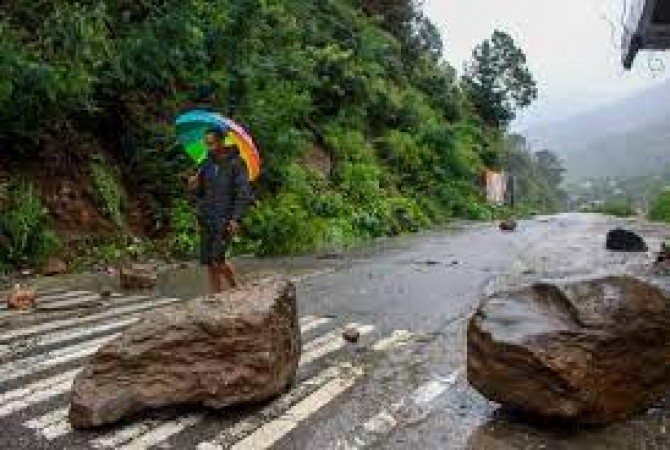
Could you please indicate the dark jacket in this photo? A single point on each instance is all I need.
(223, 191)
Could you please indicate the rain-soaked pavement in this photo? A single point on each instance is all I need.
(403, 386)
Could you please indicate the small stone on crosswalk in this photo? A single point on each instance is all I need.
(351, 334)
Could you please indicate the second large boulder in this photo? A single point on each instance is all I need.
(240, 347)
(591, 351)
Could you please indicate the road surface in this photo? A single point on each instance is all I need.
(403, 386)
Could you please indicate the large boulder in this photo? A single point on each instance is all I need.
(590, 351)
(240, 347)
(621, 240)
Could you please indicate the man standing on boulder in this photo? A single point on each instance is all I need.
(223, 193)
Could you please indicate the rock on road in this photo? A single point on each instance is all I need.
(401, 385)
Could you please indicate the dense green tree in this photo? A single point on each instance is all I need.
(498, 80)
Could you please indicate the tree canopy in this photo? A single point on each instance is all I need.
(498, 80)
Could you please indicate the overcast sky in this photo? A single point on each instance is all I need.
(570, 45)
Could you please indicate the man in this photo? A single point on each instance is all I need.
(222, 191)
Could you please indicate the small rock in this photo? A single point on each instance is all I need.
(351, 334)
(21, 298)
(54, 266)
(139, 276)
(330, 255)
(625, 241)
(430, 262)
(508, 225)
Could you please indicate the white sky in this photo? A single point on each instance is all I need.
(570, 45)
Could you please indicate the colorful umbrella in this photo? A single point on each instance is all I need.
(191, 129)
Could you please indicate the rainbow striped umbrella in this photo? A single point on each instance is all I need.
(191, 129)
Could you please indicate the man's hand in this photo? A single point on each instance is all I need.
(233, 227)
(193, 181)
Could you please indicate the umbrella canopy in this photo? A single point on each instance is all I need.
(191, 129)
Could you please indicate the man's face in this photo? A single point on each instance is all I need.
(212, 142)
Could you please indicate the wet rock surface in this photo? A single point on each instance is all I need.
(239, 347)
(625, 241)
(588, 351)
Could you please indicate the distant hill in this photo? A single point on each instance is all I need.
(628, 138)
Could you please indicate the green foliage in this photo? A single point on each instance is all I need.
(183, 239)
(25, 236)
(616, 208)
(108, 192)
(498, 80)
(660, 207)
(363, 80)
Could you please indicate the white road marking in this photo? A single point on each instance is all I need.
(115, 311)
(47, 419)
(31, 388)
(162, 432)
(125, 434)
(60, 428)
(71, 335)
(34, 364)
(246, 426)
(37, 393)
(51, 302)
(316, 323)
(397, 339)
(411, 409)
(47, 295)
(271, 432)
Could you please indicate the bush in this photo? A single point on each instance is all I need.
(620, 208)
(24, 230)
(183, 239)
(660, 208)
(280, 225)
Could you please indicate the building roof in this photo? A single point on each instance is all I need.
(647, 27)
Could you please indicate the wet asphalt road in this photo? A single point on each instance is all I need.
(412, 395)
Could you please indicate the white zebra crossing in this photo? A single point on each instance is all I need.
(42, 390)
(51, 296)
(38, 392)
(61, 427)
(38, 363)
(412, 409)
(90, 331)
(59, 302)
(271, 432)
(139, 303)
(60, 337)
(316, 349)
